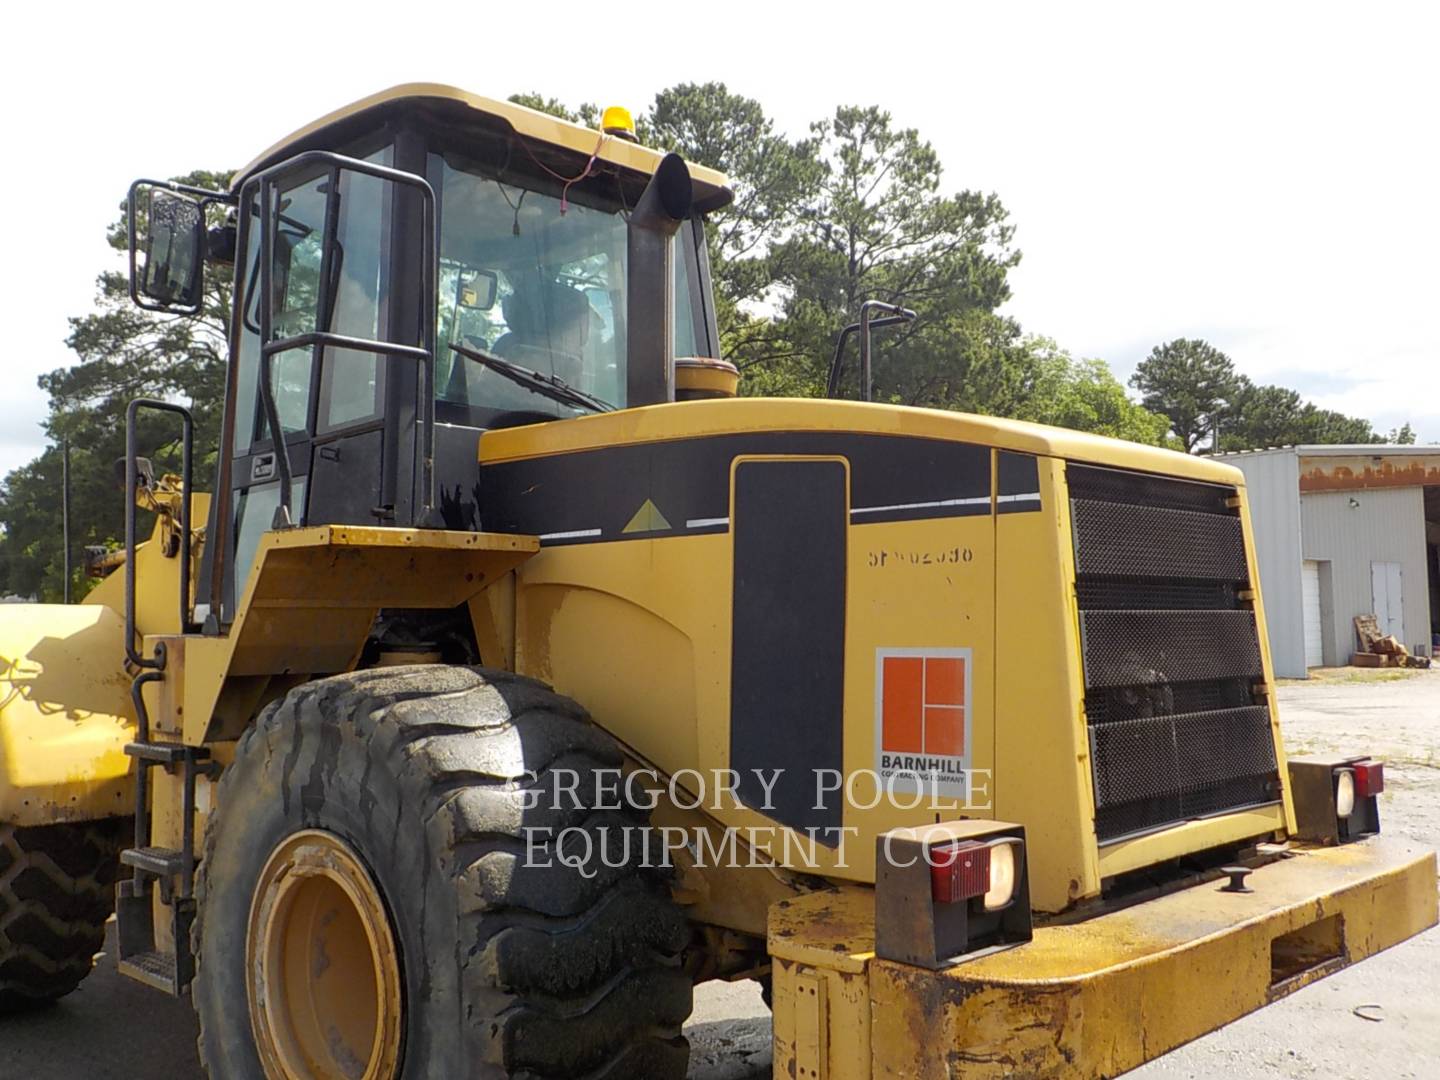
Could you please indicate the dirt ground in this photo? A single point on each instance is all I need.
(1379, 1018)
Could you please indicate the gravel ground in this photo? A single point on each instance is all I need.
(112, 1028)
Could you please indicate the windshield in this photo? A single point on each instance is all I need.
(533, 281)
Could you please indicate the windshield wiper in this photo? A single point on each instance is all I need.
(552, 386)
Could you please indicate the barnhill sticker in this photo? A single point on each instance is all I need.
(923, 720)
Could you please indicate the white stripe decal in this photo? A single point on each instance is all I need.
(706, 523)
(1032, 496)
(576, 535)
(982, 500)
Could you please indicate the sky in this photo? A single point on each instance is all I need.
(1260, 175)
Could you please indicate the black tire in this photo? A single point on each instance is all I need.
(57, 888)
(508, 969)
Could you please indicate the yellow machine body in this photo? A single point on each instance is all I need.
(728, 584)
(998, 584)
(65, 706)
(1094, 998)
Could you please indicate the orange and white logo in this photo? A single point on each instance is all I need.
(922, 719)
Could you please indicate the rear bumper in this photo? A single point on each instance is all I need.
(1095, 998)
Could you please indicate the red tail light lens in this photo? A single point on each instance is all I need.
(1369, 778)
(959, 871)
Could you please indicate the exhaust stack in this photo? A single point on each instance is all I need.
(650, 299)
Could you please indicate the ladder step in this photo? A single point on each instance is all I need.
(157, 753)
(161, 862)
(153, 969)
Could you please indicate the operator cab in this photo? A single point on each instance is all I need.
(439, 264)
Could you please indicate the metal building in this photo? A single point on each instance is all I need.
(1342, 531)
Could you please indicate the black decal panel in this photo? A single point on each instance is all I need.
(787, 680)
(1017, 483)
(600, 495)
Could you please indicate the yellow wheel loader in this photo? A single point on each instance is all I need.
(515, 675)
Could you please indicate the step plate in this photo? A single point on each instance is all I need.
(153, 969)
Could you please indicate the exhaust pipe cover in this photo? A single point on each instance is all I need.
(667, 203)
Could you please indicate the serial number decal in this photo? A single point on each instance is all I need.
(919, 557)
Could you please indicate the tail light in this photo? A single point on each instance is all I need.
(965, 869)
(960, 871)
(1369, 778)
(1336, 799)
(950, 892)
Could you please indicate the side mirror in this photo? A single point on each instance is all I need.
(479, 289)
(167, 269)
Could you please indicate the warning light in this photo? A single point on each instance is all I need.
(617, 121)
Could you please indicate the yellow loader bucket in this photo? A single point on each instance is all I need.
(65, 714)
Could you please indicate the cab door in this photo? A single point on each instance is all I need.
(330, 401)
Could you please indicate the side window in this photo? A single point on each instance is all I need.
(683, 257)
(350, 384)
(254, 511)
(296, 281)
(350, 380)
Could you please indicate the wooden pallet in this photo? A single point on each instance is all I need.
(1388, 660)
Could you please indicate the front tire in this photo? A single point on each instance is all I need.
(57, 888)
(508, 963)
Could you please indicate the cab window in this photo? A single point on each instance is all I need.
(530, 282)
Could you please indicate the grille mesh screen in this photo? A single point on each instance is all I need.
(1126, 594)
(1170, 652)
(1180, 756)
(1150, 541)
(1126, 648)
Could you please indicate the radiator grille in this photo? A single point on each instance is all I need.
(1126, 648)
(1171, 652)
(1152, 541)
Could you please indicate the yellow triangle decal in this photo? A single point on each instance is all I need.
(647, 519)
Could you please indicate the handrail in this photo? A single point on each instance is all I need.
(319, 340)
(131, 486)
(863, 327)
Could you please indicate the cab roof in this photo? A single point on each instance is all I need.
(712, 189)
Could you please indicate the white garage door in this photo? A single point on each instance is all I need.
(1314, 652)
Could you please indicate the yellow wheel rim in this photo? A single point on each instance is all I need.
(323, 971)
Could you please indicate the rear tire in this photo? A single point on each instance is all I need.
(57, 888)
(508, 967)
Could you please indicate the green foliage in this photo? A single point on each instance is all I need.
(587, 114)
(1263, 416)
(879, 226)
(1083, 395)
(122, 353)
(773, 178)
(1189, 382)
(1401, 436)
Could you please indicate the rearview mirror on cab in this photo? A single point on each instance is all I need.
(167, 249)
(478, 290)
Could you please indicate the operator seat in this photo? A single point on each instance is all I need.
(548, 326)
